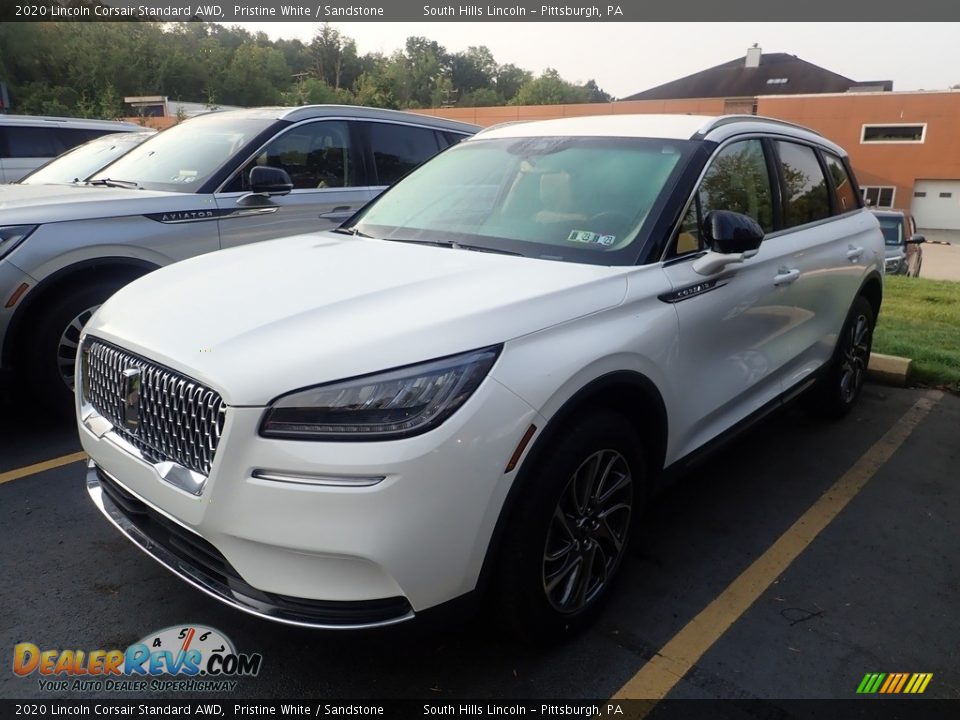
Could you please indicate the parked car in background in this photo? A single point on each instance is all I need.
(904, 256)
(214, 181)
(84, 160)
(28, 141)
(471, 388)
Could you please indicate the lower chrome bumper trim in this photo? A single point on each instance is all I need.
(209, 585)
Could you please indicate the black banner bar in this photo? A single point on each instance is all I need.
(868, 708)
(488, 11)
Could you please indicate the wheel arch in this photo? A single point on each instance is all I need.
(628, 392)
(81, 273)
(872, 289)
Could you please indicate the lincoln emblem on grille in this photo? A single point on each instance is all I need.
(131, 398)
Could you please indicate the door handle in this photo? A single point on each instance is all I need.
(785, 277)
(854, 252)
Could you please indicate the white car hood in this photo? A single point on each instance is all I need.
(263, 320)
(37, 204)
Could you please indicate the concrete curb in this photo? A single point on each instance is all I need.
(889, 369)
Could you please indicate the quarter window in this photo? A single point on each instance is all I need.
(398, 149)
(846, 194)
(736, 180)
(805, 188)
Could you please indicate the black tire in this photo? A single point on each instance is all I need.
(522, 590)
(837, 391)
(48, 367)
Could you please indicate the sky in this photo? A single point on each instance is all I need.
(625, 58)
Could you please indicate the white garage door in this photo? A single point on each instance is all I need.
(936, 204)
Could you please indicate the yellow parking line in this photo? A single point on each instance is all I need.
(41, 467)
(675, 659)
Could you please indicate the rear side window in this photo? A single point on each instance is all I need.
(398, 149)
(69, 138)
(805, 188)
(846, 193)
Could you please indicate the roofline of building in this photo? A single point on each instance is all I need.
(885, 93)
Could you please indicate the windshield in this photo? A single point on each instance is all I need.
(581, 199)
(892, 228)
(81, 162)
(182, 158)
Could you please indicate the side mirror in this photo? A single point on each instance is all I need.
(732, 238)
(916, 240)
(270, 180)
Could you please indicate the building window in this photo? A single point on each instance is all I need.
(920, 193)
(946, 194)
(878, 196)
(894, 133)
(778, 81)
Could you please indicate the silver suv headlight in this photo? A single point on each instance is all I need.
(383, 406)
(13, 235)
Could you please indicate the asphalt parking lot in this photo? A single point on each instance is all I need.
(712, 602)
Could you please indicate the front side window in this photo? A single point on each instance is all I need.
(184, 157)
(580, 199)
(737, 180)
(805, 187)
(315, 155)
(22, 141)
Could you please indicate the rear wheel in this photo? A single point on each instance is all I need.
(569, 534)
(53, 343)
(838, 390)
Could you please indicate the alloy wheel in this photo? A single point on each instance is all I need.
(588, 531)
(856, 354)
(68, 345)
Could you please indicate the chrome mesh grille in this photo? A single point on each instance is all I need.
(180, 419)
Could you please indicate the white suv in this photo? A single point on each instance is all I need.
(472, 388)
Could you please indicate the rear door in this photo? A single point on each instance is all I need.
(735, 325)
(330, 183)
(826, 238)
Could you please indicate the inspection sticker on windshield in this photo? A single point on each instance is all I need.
(585, 236)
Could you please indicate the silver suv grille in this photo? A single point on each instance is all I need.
(180, 420)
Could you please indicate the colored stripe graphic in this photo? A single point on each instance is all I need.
(894, 683)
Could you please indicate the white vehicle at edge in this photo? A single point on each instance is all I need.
(470, 391)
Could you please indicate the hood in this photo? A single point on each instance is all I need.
(263, 320)
(38, 204)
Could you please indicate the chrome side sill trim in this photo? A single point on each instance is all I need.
(199, 580)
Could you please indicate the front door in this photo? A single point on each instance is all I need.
(329, 185)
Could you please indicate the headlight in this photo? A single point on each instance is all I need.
(13, 235)
(383, 406)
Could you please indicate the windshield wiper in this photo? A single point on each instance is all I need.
(453, 245)
(351, 231)
(108, 182)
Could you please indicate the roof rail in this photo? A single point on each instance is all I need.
(729, 119)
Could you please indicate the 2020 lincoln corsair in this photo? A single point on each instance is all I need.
(474, 385)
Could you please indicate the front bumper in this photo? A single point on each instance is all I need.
(329, 556)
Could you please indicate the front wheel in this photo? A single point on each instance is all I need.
(838, 390)
(569, 534)
(53, 343)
